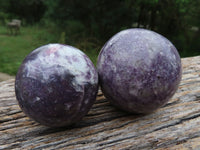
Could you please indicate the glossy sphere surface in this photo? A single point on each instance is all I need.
(56, 85)
(139, 70)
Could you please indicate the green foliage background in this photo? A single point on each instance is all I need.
(88, 24)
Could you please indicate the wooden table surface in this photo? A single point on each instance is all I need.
(174, 126)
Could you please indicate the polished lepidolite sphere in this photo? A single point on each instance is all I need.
(139, 70)
(56, 85)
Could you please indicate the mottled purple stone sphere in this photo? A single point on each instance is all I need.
(139, 70)
(56, 85)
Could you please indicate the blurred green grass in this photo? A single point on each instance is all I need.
(14, 48)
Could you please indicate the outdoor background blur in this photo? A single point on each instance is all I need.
(88, 24)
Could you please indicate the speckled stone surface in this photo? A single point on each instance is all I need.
(56, 85)
(139, 70)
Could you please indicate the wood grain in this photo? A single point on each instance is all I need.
(174, 126)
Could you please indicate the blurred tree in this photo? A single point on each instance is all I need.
(101, 18)
(192, 21)
(3, 7)
(29, 10)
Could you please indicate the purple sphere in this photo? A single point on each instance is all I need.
(139, 70)
(56, 85)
